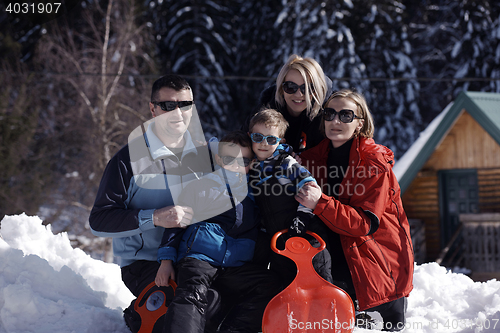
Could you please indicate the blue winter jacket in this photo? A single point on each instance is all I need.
(226, 235)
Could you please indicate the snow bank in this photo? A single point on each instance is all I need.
(442, 301)
(46, 286)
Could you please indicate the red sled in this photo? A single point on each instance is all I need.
(310, 303)
(152, 304)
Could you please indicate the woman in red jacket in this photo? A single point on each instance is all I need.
(359, 200)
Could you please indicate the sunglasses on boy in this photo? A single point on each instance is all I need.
(258, 138)
(291, 87)
(345, 116)
(168, 106)
(242, 161)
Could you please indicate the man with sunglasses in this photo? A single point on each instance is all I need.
(300, 90)
(137, 196)
(140, 197)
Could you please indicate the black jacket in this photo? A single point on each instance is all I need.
(302, 133)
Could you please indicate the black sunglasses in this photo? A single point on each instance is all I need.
(242, 161)
(258, 138)
(345, 116)
(291, 87)
(168, 106)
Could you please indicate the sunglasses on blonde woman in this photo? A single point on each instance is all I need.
(291, 87)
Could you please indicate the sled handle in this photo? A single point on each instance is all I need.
(281, 232)
(148, 288)
(148, 317)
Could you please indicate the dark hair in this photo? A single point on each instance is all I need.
(270, 118)
(238, 137)
(171, 81)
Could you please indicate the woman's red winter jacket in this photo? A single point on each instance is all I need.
(370, 219)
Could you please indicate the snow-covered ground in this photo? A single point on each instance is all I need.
(46, 286)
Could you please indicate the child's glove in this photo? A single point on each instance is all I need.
(299, 224)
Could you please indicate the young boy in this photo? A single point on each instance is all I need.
(217, 250)
(274, 182)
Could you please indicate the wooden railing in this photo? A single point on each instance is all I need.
(453, 253)
(481, 234)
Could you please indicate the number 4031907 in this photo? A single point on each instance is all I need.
(39, 8)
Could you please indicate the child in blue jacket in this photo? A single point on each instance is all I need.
(218, 248)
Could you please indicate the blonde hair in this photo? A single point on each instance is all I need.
(363, 112)
(270, 118)
(313, 74)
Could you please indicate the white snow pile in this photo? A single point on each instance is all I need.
(46, 286)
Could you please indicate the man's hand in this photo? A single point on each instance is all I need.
(165, 273)
(309, 195)
(173, 217)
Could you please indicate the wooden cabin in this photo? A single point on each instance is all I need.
(450, 176)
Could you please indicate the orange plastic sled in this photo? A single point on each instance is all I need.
(152, 304)
(309, 303)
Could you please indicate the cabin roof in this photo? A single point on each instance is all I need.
(483, 107)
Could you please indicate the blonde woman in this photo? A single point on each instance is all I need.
(359, 200)
(300, 90)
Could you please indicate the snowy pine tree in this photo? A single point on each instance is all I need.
(257, 41)
(318, 29)
(382, 43)
(455, 40)
(477, 53)
(196, 40)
